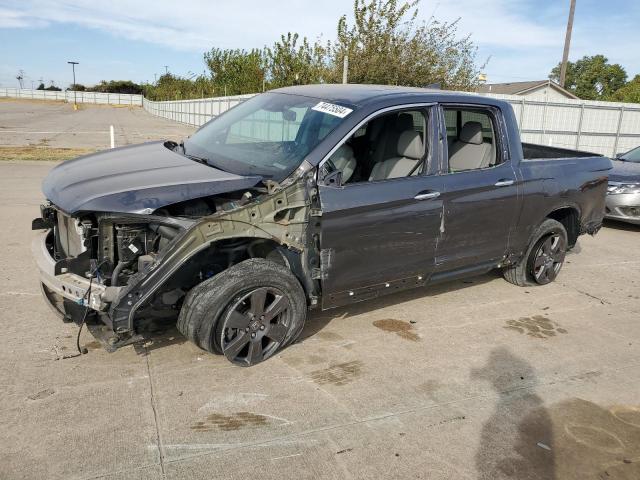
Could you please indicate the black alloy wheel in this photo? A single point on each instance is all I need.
(255, 325)
(546, 262)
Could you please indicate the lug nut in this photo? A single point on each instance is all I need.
(261, 327)
(253, 335)
(261, 317)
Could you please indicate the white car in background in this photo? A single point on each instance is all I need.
(623, 194)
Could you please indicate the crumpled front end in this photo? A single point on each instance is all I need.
(84, 261)
(122, 268)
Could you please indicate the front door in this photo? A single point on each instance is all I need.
(380, 229)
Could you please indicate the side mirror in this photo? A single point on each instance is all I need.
(330, 175)
(334, 179)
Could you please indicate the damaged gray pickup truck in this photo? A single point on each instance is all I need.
(303, 197)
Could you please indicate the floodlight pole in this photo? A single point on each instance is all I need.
(73, 68)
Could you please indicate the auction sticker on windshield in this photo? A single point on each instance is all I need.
(332, 109)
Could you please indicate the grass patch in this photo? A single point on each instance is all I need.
(42, 153)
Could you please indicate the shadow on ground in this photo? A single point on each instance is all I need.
(317, 319)
(616, 225)
(163, 333)
(573, 439)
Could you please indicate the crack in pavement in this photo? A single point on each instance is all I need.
(155, 415)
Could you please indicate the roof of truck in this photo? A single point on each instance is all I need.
(358, 94)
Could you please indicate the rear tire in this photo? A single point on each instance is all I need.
(247, 312)
(544, 258)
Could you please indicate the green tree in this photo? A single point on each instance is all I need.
(172, 87)
(78, 87)
(117, 86)
(235, 72)
(629, 93)
(291, 63)
(387, 45)
(592, 78)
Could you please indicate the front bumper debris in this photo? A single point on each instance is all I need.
(64, 285)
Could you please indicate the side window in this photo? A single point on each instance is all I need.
(392, 145)
(471, 139)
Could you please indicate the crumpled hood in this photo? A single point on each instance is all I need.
(135, 179)
(627, 172)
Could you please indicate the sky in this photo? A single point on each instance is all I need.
(134, 40)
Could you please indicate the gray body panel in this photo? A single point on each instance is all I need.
(372, 237)
(378, 237)
(135, 179)
(625, 172)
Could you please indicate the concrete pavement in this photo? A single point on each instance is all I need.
(56, 124)
(472, 379)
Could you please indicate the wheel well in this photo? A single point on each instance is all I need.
(570, 219)
(223, 254)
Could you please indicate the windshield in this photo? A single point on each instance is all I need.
(268, 135)
(632, 156)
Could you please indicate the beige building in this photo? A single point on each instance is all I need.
(544, 90)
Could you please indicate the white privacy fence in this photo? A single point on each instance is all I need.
(601, 127)
(67, 96)
(193, 112)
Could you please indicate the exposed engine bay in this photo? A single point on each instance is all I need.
(119, 253)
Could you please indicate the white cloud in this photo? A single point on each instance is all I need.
(193, 25)
(500, 23)
(15, 19)
(197, 23)
(524, 37)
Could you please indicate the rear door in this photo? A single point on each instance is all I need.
(379, 236)
(480, 193)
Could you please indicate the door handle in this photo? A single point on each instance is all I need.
(504, 183)
(427, 195)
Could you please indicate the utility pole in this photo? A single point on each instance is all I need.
(20, 78)
(345, 69)
(567, 44)
(73, 68)
(155, 78)
(166, 69)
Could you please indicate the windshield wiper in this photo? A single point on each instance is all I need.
(202, 160)
(195, 158)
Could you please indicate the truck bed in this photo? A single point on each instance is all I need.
(531, 151)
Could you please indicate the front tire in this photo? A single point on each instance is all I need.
(544, 257)
(247, 312)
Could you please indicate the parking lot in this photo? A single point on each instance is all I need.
(474, 379)
(55, 124)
